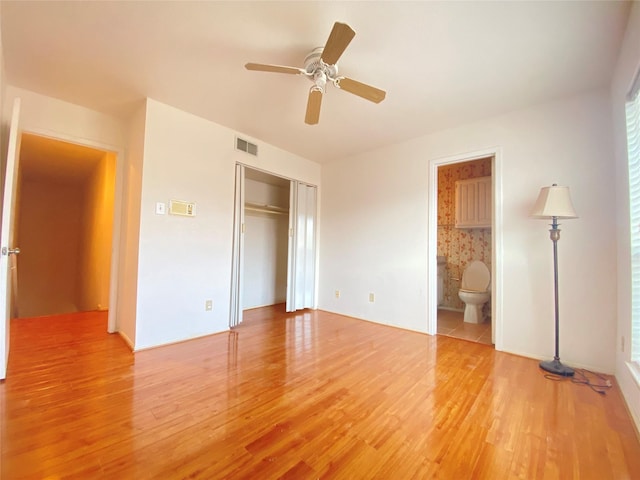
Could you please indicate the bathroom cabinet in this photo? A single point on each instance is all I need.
(473, 203)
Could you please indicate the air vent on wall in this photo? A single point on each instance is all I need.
(248, 147)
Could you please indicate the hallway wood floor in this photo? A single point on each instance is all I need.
(297, 396)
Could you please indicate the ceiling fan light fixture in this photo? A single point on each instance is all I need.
(320, 81)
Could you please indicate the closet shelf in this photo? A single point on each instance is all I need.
(258, 207)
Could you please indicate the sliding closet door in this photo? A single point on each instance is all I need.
(291, 247)
(305, 247)
(302, 247)
(238, 250)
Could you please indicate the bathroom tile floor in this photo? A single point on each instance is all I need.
(452, 324)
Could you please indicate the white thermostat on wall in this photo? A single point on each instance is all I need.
(178, 207)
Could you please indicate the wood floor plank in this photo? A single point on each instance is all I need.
(295, 396)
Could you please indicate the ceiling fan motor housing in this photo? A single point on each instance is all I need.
(313, 64)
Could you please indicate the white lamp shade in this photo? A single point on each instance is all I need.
(554, 201)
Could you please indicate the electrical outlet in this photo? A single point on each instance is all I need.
(208, 305)
(372, 297)
(337, 293)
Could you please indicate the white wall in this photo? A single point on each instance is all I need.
(95, 244)
(185, 261)
(52, 117)
(266, 194)
(50, 224)
(374, 232)
(265, 259)
(627, 66)
(374, 236)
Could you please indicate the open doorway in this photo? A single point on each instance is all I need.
(485, 247)
(464, 238)
(64, 227)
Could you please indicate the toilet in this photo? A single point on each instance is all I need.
(474, 290)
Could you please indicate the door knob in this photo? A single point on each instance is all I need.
(10, 251)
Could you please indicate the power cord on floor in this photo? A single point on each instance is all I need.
(596, 382)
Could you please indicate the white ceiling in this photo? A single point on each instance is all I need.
(441, 63)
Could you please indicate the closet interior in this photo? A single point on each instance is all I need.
(266, 236)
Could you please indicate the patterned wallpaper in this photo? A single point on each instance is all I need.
(459, 245)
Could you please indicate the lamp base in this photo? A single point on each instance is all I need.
(554, 366)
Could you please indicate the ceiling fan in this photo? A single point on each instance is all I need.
(320, 66)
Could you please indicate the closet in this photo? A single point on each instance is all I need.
(274, 243)
(266, 236)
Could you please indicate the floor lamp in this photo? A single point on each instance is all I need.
(554, 202)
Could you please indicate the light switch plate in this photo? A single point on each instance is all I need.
(161, 208)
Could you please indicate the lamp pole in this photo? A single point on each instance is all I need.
(555, 366)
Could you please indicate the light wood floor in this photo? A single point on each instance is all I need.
(297, 396)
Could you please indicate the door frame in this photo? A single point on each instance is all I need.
(237, 248)
(235, 311)
(496, 239)
(112, 322)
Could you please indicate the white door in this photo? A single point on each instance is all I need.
(8, 250)
(302, 247)
(291, 247)
(237, 266)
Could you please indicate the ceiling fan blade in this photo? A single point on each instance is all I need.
(362, 89)
(261, 67)
(313, 106)
(339, 38)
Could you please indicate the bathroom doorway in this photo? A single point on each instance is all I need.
(463, 220)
